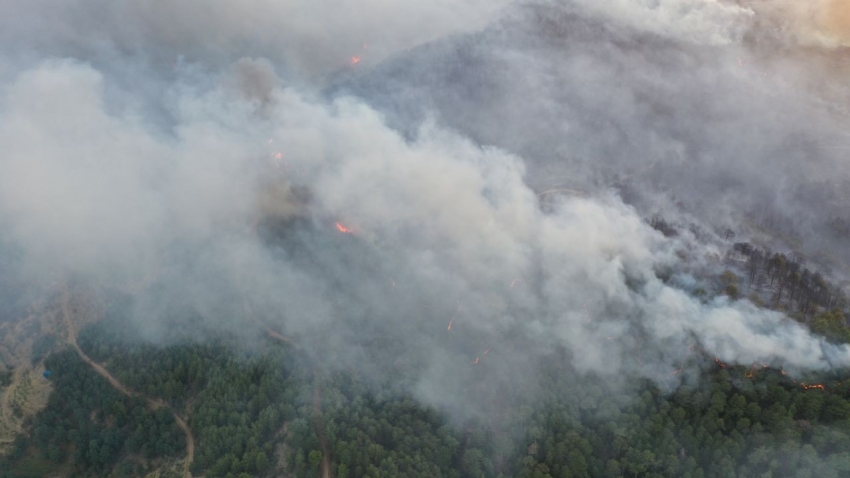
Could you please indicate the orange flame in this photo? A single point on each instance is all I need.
(451, 322)
(719, 363)
(475, 362)
(486, 352)
(515, 282)
(343, 229)
(816, 385)
(355, 60)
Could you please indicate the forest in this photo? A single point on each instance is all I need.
(271, 410)
(267, 412)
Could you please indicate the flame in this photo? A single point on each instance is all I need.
(811, 386)
(719, 363)
(343, 229)
(475, 362)
(486, 352)
(515, 282)
(355, 60)
(393, 284)
(271, 140)
(451, 322)
(751, 373)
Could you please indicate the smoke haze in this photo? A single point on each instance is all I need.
(230, 159)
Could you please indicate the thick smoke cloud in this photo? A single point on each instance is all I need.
(302, 37)
(818, 22)
(698, 21)
(409, 250)
(747, 135)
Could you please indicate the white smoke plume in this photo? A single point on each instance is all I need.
(709, 22)
(813, 23)
(395, 251)
(302, 37)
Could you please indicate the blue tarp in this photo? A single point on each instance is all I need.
(46, 374)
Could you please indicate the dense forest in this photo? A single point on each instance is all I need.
(266, 413)
(90, 427)
(268, 410)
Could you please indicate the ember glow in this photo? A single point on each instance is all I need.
(451, 322)
(444, 190)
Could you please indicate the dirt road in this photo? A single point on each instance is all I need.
(155, 404)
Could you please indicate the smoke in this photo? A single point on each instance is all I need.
(700, 21)
(304, 38)
(226, 200)
(742, 135)
(713, 22)
(818, 22)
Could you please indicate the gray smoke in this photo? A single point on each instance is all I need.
(393, 221)
(746, 132)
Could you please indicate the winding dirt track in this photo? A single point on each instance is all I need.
(153, 403)
(157, 404)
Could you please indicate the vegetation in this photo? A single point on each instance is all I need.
(236, 404)
(737, 422)
(787, 282)
(260, 415)
(90, 425)
(6, 378)
(270, 412)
